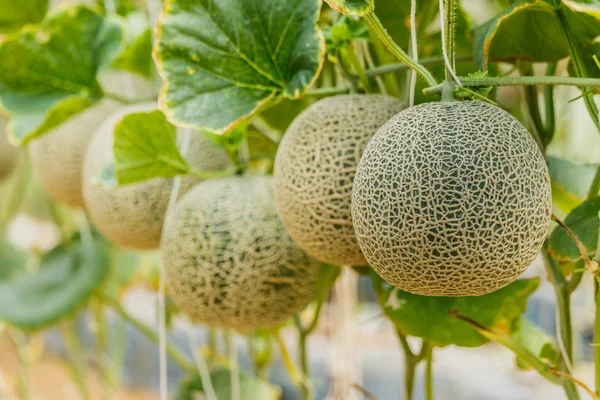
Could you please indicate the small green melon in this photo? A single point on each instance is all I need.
(229, 260)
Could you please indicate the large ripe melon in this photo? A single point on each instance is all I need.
(132, 215)
(57, 157)
(9, 154)
(315, 168)
(451, 199)
(229, 260)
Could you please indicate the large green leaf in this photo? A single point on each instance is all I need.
(534, 339)
(576, 178)
(355, 8)
(584, 222)
(15, 14)
(251, 388)
(502, 38)
(428, 317)
(67, 277)
(223, 61)
(587, 55)
(13, 262)
(145, 146)
(48, 72)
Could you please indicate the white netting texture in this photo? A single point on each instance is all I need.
(315, 168)
(230, 263)
(451, 199)
(132, 215)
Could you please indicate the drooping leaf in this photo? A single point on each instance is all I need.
(136, 54)
(534, 339)
(15, 14)
(67, 277)
(145, 146)
(48, 72)
(13, 262)
(428, 317)
(223, 62)
(251, 388)
(584, 222)
(502, 37)
(355, 8)
(576, 178)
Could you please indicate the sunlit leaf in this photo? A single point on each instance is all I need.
(534, 339)
(15, 14)
(223, 62)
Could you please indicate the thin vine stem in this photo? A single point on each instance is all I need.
(75, 357)
(591, 265)
(533, 107)
(549, 117)
(176, 355)
(429, 374)
(397, 51)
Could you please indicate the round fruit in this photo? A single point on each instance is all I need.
(451, 199)
(132, 215)
(229, 260)
(315, 168)
(9, 154)
(57, 157)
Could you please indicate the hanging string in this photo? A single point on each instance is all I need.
(414, 50)
(449, 66)
(162, 317)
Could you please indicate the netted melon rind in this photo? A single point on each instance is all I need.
(315, 168)
(132, 215)
(9, 154)
(57, 157)
(229, 260)
(451, 199)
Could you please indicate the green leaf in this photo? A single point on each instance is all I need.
(123, 267)
(584, 222)
(136, 54)
(145, 147)
(343, 33)
(223, 62)
(15, 14)
(428, 318)
(355, 8)
(537, 341)
(502, 37)
(576, 178)
(48, 72)
(13, 262)
(251, 388)
(67, 277)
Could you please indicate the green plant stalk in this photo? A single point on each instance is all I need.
(595, 186)
(22, 346)
(410, 365)
(550, 120)
(565, 327)
(533, 107)
(578, 67)
(179, 357)
(393, 47)
(429, 374)
(303, 387)
(117, 355)
(102, 351)
(450, 30)
(350, 56)
(74, 353)
(395, 67)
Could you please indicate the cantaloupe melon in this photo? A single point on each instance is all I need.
(315, 168)
(132, 215)
(229, 260)
(451, 199)
(9, 154)
(57, 157)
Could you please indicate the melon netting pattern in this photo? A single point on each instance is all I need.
(230, 263)
(315, 167)
(451, 199)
